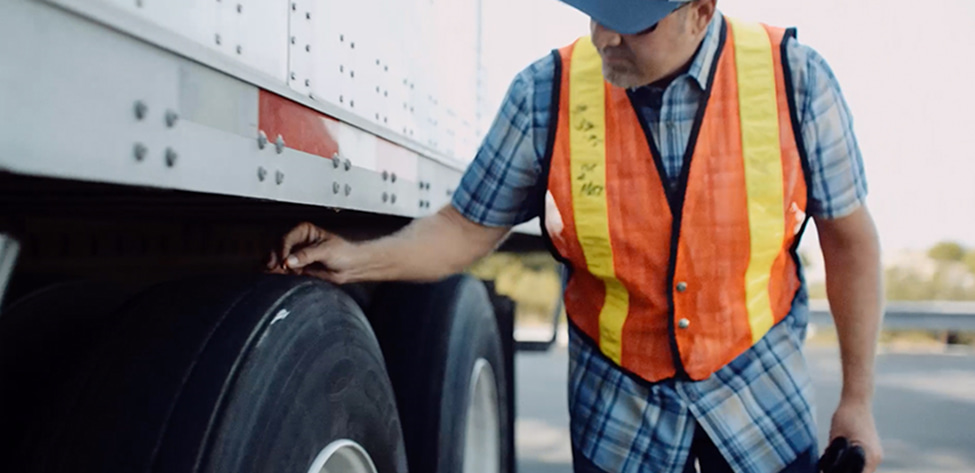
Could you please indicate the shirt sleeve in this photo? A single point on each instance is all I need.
(837, 178)
(501, 186)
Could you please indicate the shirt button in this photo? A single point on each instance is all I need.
(683, 323)
(681, 286)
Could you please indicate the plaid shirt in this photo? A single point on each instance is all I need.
(758, 408)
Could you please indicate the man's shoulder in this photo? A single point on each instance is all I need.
(804, 59)
(531, 88)
(540, 71)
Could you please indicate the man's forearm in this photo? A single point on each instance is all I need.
(427, 249)
(853, 285)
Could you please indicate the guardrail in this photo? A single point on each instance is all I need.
(927, 315)
(934, 316)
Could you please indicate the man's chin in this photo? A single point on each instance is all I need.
(625, 80)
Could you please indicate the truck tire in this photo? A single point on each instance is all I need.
(64, 315)
(444, 353)
(245, 374)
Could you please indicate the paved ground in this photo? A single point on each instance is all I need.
(925, 407)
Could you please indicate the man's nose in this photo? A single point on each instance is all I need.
(603, 37)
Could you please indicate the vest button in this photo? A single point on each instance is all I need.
(683, 323)
(681, 286)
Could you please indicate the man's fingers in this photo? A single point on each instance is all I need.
(273, 262)
(316, 253)
(304, 234)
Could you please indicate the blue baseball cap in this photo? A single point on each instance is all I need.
(626, 16)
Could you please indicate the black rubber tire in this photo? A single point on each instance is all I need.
(44, 336)
(432, 335)
(245, 374)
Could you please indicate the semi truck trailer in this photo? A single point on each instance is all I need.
(153, 152)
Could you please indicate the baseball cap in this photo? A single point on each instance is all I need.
(626, 16)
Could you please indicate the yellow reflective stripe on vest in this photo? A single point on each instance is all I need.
(762, 155)
(587, 144)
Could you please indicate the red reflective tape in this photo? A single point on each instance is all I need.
(302, 128)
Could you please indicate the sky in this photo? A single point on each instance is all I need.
(904, 68)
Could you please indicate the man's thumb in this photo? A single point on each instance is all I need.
(293, 262)
(307, 256)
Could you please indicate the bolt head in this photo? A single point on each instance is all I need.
(393, 177)
(385, 176)
(279, 144)
(335, 161)
(261, 140)
(348, 190)
(279, 177)
(348, 164)
(261, 174)
(141, 109)
(385, 197)
(240, 49)
(171, 157)
(140, 151)
(171, 118)
(336, 188)
(392, 199)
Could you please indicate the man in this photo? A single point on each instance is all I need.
(673, 159)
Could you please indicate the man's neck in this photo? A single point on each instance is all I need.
(665, 81)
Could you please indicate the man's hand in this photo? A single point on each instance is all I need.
(312, 251)
(427, 249)
(854, 420)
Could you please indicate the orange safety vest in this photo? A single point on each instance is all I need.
(680, 283)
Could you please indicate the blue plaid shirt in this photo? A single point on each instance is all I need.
(758, 408)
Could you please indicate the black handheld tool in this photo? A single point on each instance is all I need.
(843, 457)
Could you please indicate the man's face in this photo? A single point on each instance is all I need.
(640, 59)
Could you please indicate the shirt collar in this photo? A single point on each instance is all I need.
(700, 69)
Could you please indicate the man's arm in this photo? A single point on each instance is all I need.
(853, 285)
(427, 249)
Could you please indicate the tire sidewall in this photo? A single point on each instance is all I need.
(347, 395)
(473, 335)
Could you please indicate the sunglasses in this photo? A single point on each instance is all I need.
(653, 27)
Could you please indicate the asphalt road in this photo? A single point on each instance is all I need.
(925, 409)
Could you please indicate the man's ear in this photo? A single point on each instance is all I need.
(703, 11)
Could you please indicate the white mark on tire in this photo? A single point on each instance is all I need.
(281, 315)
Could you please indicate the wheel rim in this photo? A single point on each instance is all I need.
(482, 445)
(343, 456)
